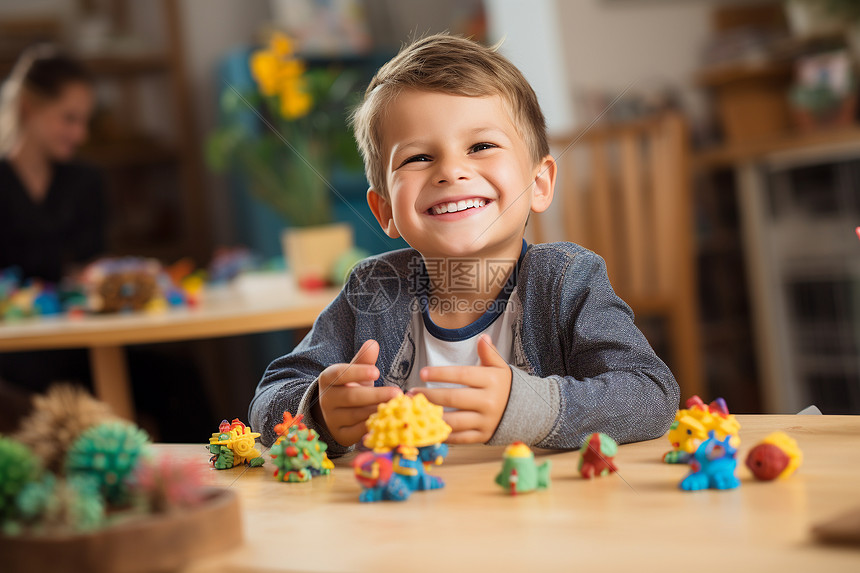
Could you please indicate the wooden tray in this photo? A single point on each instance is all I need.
(156, 543)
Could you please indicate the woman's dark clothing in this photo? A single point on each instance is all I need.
(67, 227)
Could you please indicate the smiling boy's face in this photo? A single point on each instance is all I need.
(461, 181)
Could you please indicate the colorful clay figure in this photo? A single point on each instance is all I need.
(520, 473)
(234, 444)
(597, 453)
(712, 466)
(406, 434)
(298, 454)
(775, 457)
(691, 427)
(375, 474)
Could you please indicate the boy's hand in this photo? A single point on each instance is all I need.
(479, 406)
(347, 395)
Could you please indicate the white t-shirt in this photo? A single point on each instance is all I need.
(437, 346)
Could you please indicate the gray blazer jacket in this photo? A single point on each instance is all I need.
(579, 365)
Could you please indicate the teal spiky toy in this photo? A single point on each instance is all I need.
(18, 466)
(109, 452)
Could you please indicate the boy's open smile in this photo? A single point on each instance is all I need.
(456, 208)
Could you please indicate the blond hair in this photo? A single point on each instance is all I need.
(452, 65)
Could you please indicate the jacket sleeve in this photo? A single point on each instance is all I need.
(613, 381)
(291, 381)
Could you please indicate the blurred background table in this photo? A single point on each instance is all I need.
(637, 520)
(105, 336)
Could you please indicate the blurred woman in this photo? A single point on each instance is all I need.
(52, 221)
(51, 207)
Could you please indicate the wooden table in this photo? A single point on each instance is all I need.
(222, 314)
(637, 520)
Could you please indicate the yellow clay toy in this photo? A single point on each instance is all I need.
(234, 444)
(691, 427)
(406, 421)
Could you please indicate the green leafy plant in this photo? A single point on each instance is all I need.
(306, 136)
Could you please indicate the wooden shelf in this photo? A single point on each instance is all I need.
(719, 76)
(131, 153)
(113, 66)
(127, 65)
(731, 154)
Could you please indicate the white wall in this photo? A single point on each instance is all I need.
(211, 28)
(532, 40)
(567, 48)
(607, 44)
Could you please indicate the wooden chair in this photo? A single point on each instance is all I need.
(625, 194)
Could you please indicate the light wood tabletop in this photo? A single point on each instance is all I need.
(223, 313)
(636, 520)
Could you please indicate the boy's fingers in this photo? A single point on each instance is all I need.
(342, 374)
(460, 398)
(352, 434)
(488, 354)
(472, 376)
(358, 397)
(352, 416)
(466, 437)
(367, 354)
(462, 420)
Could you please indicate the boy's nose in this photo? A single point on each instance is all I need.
(449, 171)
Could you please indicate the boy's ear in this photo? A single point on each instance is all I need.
(381, 209)
(544, 186)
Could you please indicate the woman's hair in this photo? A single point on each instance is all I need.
(42, 71)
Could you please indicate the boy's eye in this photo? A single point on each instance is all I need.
(481, 147)
(416, 158)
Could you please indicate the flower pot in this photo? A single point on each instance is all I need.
(311, 252)
(153, 543)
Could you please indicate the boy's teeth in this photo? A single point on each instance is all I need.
(453, 207)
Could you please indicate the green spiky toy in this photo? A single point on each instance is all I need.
(18, 466)
(108, 452)
(299, 454)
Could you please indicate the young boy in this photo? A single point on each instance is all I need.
(516, 341)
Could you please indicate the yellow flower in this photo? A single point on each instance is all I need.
(265, 67)
(295, 102)
(291, 68)
(281, 44)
